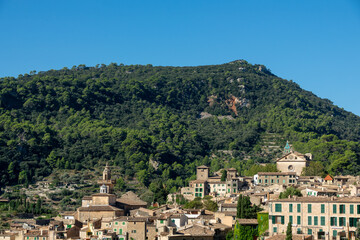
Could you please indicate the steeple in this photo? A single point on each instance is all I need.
(287, 148)
(107, 173)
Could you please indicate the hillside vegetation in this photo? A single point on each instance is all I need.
(159, 123)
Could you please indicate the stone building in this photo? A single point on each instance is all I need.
(271, 178)
(293, 161)
(322, 217)
(100, 205)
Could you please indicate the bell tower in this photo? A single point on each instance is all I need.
(106, 181)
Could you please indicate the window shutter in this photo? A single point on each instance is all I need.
(282, 220)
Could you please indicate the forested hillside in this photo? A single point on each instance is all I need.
(158, 123)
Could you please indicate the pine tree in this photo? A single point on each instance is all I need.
(289, 232)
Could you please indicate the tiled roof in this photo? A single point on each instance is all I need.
(276, 173)
(106, 208)
(130, 198)
(328, 178)
(320, 199)
(202, 166)
(244, 221)
(196, 230)
(294, 237)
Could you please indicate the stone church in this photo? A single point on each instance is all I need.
(293, 161)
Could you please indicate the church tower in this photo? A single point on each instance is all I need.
(287, 148)
(106, 181)
(107, 173)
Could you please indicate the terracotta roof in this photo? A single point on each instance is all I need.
(243, 221)
(105, 208)
(198, 181)
(328, 178)
(320, 199)
(130, 198)
(103, 194)
(195, 230)
(276, 173)
(294, 237)
(202, 166)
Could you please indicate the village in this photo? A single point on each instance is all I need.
(328, 208)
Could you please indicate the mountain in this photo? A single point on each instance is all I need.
(158, 123)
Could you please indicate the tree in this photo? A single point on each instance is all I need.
(210, 205)
(120, 184)
(357, 233)
(223, 175)
(290, 191)
(289, 232)
(314, 169)
(244, 232)
(245, 209)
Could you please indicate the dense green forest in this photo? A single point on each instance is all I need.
(148, 121)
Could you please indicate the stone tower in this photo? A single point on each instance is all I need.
(202, 173)
(106, 181)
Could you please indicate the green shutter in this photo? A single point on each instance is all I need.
(322, 208)
(299, 207)
(358, 209)
(309, 208)
(351, 209)
(291, 219)
(315, 220)
(298, 220)
(334, 208)
(309, 231)
(120, 231)
(334, 233)
(290, 207)
(273, 219)
(275, 229)
(278, 207)
(309, 220)
(322, 219)
(282, 220)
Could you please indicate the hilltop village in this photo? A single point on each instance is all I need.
(323, 208)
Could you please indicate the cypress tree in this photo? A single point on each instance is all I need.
(289, 232)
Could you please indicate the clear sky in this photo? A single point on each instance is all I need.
(315, 43)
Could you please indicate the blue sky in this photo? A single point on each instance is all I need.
(315, 43)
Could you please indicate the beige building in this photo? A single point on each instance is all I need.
(293, 161)
(205, 185)
(100, 205)
(129, 228)
(323, 217)
(271, 178)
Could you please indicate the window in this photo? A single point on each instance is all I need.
(265, 180)
(161, 221)
(334, 233)
(358, 209)
(123, 223)
(342, 221)
(309, 220)
(278, 219)
(290, 207)
(116, 223)
(115, 230)
(259, 180)
(309, 231)
(342, 208)
(133, 231)
(333, 221)
(298, 231)
(275, 229)
(351, 209)
(284, 181)
(298, 208)
(278, 181)
(291, 219)
(309, 208)
(278, 207)
(353, 222)
(272, 180)
(322, 221)
(315, 221)
(298, 220)
(120, 231)
(334, 208)
(322, 208)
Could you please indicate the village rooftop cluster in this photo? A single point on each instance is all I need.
(329, 208)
